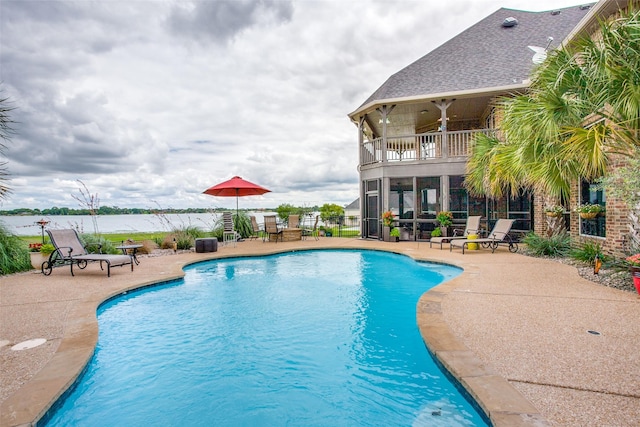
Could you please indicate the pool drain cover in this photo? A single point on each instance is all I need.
(25, 345)
(594, 332)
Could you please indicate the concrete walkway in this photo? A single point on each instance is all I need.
(514, 330)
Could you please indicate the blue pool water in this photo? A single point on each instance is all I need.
(301, 339)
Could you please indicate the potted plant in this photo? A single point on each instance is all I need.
(39, 253)
(394, 234)
(387, 222)
(387, 219)
(634, 267)
(589, 211)
(554, 211)
(436, 232)
(445, 219)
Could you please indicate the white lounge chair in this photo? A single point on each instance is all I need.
(499, 235)
(472, 227)
(229, 234)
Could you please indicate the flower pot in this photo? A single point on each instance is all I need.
(444, 231)
(635, 273)
(386, 235)
(588, 215)
(37, 259)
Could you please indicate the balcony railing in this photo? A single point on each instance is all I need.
(424, 146)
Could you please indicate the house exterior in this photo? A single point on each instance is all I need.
(415, 130)
(352, 213)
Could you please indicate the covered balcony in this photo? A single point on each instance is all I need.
(432, 131)
(424, 146)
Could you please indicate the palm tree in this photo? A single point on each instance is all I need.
(546, 141)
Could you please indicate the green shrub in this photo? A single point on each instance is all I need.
(286, 209)
(242, 224)
(557, 245)
(436, 232)
(47, 248)
(95, 243)
(331, 212)
(192, 231)
(14, 256)
(184, 241)
(587, 253)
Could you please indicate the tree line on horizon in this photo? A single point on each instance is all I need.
(104, 210)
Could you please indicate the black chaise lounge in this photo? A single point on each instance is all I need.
(69, 250)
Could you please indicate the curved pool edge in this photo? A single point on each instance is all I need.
(502, 404)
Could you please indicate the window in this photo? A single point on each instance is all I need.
(593, 194)
(401, 200)
(458, 200)
(520, 210)
(429, 195)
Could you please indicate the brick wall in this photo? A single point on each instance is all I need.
(617, 219)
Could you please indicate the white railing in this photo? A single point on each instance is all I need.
(424, 146)
(460, 141)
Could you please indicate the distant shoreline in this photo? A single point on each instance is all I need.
(106, 210)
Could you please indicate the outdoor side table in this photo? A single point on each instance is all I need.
(207, 244)
(133, 248)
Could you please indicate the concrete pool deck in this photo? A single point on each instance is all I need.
(513, 330)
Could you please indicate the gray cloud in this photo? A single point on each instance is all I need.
(154, 101)
(221, 20)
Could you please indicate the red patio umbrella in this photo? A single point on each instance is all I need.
(237, 187)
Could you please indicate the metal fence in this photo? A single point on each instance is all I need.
(340, 226)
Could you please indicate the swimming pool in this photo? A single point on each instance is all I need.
(306, 338)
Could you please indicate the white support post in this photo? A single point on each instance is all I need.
(442, 106)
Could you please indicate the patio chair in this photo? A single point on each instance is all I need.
(229, 234)
(271, 228)
(294, 221)
(499, 235)
(472, 227)
(311, 231)
(255, 228)
(69, 250)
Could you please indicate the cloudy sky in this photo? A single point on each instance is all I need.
(150, 102)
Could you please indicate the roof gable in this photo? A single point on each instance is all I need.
(486, 55)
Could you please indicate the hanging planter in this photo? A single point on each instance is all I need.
(588, 215)
(589, 211)
(555, 211)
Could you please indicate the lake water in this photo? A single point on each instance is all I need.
(26, 225)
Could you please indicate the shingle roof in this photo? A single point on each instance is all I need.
(486, 55)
